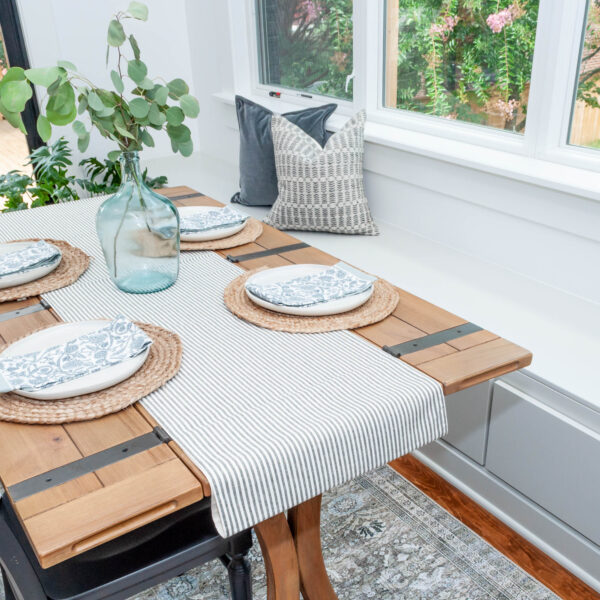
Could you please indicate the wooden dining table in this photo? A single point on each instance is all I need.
(100, 500)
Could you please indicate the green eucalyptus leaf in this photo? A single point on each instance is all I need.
(137, 70)
(108, 98)
(13, 74)
(134, 47)
(190, 106)
(94, 101)
(139, 108)
(114, 155)
(83, 103)
(174, 115)
(13, 118)
(83, 142)
(174, 145)
(161, 94)
(107, 111)
(117, 81)
(147, 139)
(53, 88)
(138, 11)
(146, 84)
(44, 128)
(123, 131)
(65, 64)
(179, 133)
(186, 148)
(61, 109)
(178, 87)
(156, 116)
(116, 35)
(15, 95)
(79, 129)
(44, 76)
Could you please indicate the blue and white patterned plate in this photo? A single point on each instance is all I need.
(215, 233)
(29, 274)
(279, 275)
(64, 332)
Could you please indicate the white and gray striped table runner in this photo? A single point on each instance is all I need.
(271, 418)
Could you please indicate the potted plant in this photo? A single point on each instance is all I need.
(138, 228)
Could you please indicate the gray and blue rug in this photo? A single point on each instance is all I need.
(384, 539)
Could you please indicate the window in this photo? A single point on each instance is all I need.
(585, 117)
(494, 74)
(306, 45)
(469, 60)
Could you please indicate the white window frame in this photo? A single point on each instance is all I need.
(553, 86)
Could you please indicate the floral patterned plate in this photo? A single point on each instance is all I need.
(59, 334)
(321, 309)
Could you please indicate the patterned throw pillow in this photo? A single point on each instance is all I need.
(320, 189)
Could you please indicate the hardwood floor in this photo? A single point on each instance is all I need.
(494, 531)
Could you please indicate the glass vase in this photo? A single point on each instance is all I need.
(139, 233)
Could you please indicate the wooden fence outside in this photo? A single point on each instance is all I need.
(585, 128)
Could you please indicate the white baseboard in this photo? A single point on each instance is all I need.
(572, 550)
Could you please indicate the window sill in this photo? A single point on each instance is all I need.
(543, 173)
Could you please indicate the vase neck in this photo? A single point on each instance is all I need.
(130, 167)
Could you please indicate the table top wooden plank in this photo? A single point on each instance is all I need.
(428, 354)
(473, 339)
(390, 331)
(16, 328)
(81, 525)
(118, 428)
(476, 364)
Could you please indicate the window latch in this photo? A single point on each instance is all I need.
(348, 80)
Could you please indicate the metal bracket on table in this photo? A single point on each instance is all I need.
(184, 196)
(26, 310)
(88, 464)
(427, 341)
(279, 250)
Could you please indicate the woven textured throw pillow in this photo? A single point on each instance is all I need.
(320, 189)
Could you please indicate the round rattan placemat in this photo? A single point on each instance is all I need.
(161, 365)
(249, 234)
(380, 305)
(72, 265)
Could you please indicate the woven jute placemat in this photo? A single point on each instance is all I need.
(380, 305)
(72, 265)
(161, 365)
(250, 233)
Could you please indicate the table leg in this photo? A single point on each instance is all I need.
(280, 558)
(305, 524)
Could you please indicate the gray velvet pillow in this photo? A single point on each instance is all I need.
(258, 176)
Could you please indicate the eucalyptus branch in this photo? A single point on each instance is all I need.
(159, 106)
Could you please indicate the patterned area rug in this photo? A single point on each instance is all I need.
(384, 539)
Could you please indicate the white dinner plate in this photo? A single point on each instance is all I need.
(59, 334)
(333, 307)
(26, 276)
(209, 234)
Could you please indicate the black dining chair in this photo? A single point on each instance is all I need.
(127, 565)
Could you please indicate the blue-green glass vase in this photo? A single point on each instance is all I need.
(139, 233)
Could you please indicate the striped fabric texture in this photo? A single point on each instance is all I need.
(272, 418)
(320, 189)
